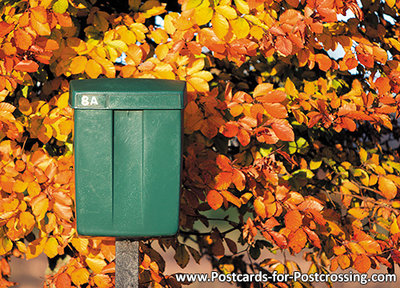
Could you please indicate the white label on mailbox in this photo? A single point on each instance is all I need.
(88, 101)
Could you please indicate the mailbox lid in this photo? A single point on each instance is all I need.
(127, 94)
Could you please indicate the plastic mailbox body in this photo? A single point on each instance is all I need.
(127, 143)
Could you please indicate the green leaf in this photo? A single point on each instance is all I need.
(60, 6)
(255, 252)
(181, 256)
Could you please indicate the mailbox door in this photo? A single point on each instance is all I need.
(127, 165)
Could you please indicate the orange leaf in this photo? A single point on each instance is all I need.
(26, 66)
(283, 45)
(224, 163)
(5, 28)
(243, 137)
(93, 69)
(275, 96)
(22, 39)
(214, 199)
(276, 110)
(102, 281)
(40, 204)
(64, 19)
(96, 264)
(43, 29)
(39, 13)
(230, 129)
(387, 187)
(231, 198)
(324, 62)
(282, 129)
(293, 220)
(63, 281)
(297, 240)
(80, 276)
(62, 211)
(78, 65)
(362, 263)
(223, 180)
(239, 179)
(27, 220)
(344, 261)
(259, 207)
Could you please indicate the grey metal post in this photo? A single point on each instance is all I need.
(126, 263)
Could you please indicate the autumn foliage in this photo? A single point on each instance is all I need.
(290, 125)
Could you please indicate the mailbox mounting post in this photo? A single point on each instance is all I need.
(126, 263)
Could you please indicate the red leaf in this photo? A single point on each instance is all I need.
(214, 199)
(27, 66)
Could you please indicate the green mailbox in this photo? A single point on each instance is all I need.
(127, 142)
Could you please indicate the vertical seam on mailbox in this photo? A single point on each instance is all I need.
(142, 168)
(112, 167)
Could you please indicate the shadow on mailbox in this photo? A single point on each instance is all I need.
(128, 139)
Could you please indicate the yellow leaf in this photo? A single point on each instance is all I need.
(35, 248)
(387, 187)
(93, 69)
(203, 15)
(40, 204)
(203, 74)
(43, 29)
(161, 51)
(240, 28)
(50, 249)
(227, 11)
(102, 280)
(34, 188)
(391, 3)
(363, 155)
(21, 246)
(80, 244)
(20, 186)
(197, 84)
(62, 101)
(358, 213)
(5, 245)
(394, 227)
(119, 45)
(27, 220)
(159, 36)
(220, 25)
(190, 4)
(195, 66)
(242, 6)
(78, 65)
(96, 264)
(80, 276)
